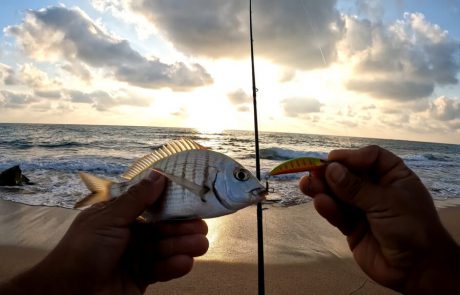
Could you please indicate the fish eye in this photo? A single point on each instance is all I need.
(241, 174)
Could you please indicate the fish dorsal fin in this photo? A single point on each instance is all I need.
(169, 149)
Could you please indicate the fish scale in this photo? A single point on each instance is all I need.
(180, 165)
(193, 166)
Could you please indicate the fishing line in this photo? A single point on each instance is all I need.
(313, 31)
(314, 34)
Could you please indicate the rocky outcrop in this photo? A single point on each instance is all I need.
(13, 176)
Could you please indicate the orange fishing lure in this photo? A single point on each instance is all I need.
(298, 165)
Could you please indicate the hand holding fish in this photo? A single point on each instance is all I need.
(106, 252)
(389, 218)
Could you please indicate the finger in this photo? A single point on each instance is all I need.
(171, 268)
(362, 242)
(354, 190)
(99, 206)
(96, 208)
(373, 158)
(319, 172)
(178, 228)
(311, 186)
(191, 245)
(131, 204)
(342, 218)
(358, 234)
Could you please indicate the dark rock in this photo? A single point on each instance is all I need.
(13, 176)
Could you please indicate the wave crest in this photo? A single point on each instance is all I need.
(281, 154)
(427, 157)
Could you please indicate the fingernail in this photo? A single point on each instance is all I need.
(336, 172)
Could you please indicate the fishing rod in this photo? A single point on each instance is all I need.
(260, 238)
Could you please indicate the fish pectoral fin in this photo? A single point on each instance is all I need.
(199, 190)
(203, 192)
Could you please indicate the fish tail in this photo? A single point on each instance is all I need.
(100, 190)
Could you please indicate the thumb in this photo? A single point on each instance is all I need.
(353, 189)
(131, 204)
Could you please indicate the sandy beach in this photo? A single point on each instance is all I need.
(303, 254)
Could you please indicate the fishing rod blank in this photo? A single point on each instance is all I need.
(260, 239)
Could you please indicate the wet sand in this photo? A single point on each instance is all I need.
(303, 253)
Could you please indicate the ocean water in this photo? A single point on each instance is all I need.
(52, 155)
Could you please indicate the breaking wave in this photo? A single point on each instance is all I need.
(282, 154)
(103, 165)
(427, 157)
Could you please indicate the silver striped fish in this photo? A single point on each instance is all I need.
(201, 183)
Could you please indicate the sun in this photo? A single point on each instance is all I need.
(213, 118)
(206, 124)
(209, 129)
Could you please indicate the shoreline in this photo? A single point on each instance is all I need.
(303, 253)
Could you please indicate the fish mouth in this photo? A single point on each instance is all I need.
(259, 194)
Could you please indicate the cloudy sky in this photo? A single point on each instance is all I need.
(387, 69)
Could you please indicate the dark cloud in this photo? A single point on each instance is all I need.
(365, 117)
(7, 75)
(69, 33)
(351, 111)
(392, 111)
(394, 119)
(240, 99)
(392, 89)
(103, 101)
(42, 107)
(182, 112)
(445, 109)
(14, 100)
(79, 97)
(368, 107)
(244, 109)
(296, 107)
(404, 61)
(154, 74)
(51, 94)
(291, 32)
(288, 75)
(454, 125)
(79, 70)
(348, 123)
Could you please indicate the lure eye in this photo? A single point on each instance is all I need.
(241, 174)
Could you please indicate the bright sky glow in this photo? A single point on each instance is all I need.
(368, 68)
